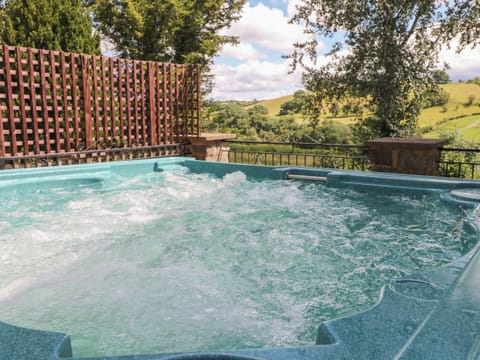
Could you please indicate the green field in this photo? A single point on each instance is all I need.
(456, 115)
(468, 127)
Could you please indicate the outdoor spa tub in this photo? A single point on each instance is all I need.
(175, 258)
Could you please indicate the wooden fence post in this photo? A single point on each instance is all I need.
(166, 105)
(113, 117)
(44, 101)
(128, 100)
(198, 98)
(87, 102)
(33, 102)
(56, 120)
(75, 85)
(66, 116)
(2, 139)
(2, 134)
(23, 113)
(151, 104)
(11, 114)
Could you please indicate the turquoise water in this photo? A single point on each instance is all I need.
(173, 261)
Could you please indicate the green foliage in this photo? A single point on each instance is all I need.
(459, 160)
(392, 51)
(475, 80)
(293, 106)
(178, 31)
(470, 100)
(461, 19)
(253, 123)
(333, 132)
(258, 109)
(441, 77)
(48, 24)
(312, 109)
(435, 97)
(365, 129)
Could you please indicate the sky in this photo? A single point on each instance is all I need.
(255, 68)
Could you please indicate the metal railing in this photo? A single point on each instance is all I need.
(86, 156)
(337, 156)
(454, 162)
(460, 162)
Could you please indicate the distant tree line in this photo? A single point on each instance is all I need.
(475, 80)
(253, 122)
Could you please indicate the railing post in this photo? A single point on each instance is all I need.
(210, 147)
(406, 155)
(87, 102)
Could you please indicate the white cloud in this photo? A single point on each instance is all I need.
(291, 7)
(262, 29)
(242, 51)
(464, 65)
(267, 27)
(254, 80)
(264, 33)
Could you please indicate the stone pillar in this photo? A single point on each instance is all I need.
(406, 155)
(210, 147)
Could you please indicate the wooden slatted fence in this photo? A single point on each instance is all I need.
(54, 102)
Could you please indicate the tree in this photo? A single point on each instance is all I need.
(258, 109)
(461, 19)
(48, 24)
(332, 132)
(387, 56)
(435, 98)
(293, 106)
(441, 77)
(179, 31)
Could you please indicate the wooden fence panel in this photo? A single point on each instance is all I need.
(3, 106)
(54, 102)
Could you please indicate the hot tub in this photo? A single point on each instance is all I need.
(181, 259)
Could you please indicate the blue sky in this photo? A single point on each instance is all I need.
(255, 68)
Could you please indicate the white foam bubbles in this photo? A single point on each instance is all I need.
(174, 261)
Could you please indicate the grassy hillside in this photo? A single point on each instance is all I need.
(459, 96)
(273, 105)
(456, 115)
(468, 127)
